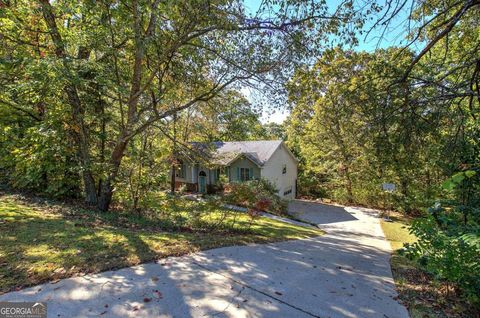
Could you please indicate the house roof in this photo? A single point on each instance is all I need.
(224, 153)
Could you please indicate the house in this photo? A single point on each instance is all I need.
(240, 161)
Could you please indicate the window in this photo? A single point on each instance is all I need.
(288, 191)
(216, 175)
(284, 171)
(244, 174)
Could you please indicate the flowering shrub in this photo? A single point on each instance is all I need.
(263, 204)
(255, 194)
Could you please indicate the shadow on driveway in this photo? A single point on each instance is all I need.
(345, 273)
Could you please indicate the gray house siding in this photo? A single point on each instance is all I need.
(270, 160)
(187, 173)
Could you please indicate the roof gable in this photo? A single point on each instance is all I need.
(259, 151)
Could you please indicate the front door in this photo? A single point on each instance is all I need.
(202, 182)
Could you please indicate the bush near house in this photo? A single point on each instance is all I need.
(255, 194)
(214, 188)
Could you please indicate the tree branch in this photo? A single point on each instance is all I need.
(453, 21)
(25, 111)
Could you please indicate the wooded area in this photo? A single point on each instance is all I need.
(95, 82)
(97, 97)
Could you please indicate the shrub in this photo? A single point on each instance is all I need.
(263, 204)
(213, 188)
(452, 255)
(255, 194)
(182, 189)
(448, 243)
(311, 185)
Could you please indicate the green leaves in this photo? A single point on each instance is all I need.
(455, 180)
(470, 173)
(473, 239)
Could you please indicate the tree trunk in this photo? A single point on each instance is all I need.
(404, 183)
(79, 130)
(105, 197)
(174, 154)
(89, 188)
(172, 180)
(349, 184)
(79, 134)
(106, 192)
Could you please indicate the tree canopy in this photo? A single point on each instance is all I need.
(95, 75)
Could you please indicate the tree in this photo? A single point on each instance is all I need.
(353, 130)
(226, 117)
(124, 67)
(447, 32)
(274, 131)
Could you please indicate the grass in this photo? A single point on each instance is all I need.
(41, 242)
(423, 296)
(396, 231)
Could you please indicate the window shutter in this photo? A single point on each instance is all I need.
(238, 173)
(250, 174)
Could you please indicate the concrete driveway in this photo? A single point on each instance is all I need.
(345, 273)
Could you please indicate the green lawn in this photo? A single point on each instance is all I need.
(396, 232)
(41, 242)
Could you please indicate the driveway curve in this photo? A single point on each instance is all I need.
(344, 273)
